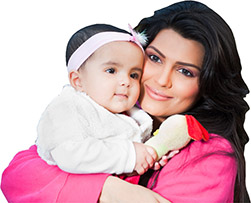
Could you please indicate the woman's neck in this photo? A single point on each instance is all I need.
(157, 122)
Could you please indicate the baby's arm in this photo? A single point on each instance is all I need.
(92, 155)
(146, 156)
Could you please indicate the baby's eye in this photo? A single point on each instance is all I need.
(110, 70)
(154, 58)
(135, 75)
(186, 72)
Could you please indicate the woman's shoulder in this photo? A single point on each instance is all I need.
(216, 143)
(216, 150)
(209, 168)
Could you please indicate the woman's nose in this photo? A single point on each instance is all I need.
(165, 78)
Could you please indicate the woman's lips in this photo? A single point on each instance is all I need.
(156, 95)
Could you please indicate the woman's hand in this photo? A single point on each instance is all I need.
(164, 159)
(117, 190)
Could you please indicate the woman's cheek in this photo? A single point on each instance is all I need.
(187, 91)
(147, 73)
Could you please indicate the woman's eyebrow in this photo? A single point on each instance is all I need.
(158, 51)
(180, 63)
(189, 64)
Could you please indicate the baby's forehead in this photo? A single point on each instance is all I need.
(119, 46)
(113, 42)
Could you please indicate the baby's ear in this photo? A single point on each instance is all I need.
(75, 80)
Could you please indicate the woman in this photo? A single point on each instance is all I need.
(218, 104)
(192, 67)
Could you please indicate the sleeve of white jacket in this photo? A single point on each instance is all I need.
(95, 156)
(64, 139)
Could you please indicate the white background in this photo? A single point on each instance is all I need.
(33, 38)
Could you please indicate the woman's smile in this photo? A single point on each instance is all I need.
(156, 94)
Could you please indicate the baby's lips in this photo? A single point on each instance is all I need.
(195, 130)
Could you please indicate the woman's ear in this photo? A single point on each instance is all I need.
(75, 80)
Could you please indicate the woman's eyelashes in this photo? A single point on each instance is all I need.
(154, 58)
(186, 72)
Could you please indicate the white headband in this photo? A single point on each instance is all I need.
(96, 41)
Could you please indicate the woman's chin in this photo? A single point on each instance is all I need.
(152, 109)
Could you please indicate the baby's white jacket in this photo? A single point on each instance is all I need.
(80, 136)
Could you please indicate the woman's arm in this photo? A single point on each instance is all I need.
(29, 179)
(117, 190)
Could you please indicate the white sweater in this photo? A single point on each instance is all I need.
(80, 136)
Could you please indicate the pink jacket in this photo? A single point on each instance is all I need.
(209, 179)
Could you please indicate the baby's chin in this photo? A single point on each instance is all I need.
(119, 109)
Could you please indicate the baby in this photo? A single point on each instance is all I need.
(93, 126)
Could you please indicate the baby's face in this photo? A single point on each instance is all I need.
(111, 76)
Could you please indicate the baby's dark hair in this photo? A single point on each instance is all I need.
(78, 38)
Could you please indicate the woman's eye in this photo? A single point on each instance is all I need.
(154, 58)
(110, 70)
(186, 72)
(134, 75)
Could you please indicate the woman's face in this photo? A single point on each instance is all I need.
(170, 82)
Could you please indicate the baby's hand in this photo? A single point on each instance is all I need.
(164, 159)
(146, 156)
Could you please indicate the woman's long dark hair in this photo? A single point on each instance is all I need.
(221, 107)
